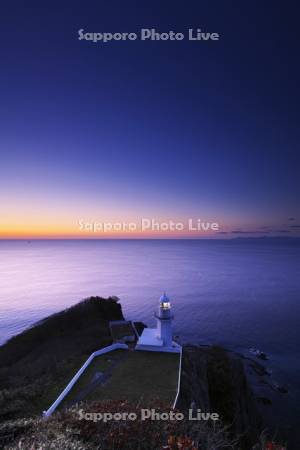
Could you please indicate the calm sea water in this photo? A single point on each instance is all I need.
(238, 293)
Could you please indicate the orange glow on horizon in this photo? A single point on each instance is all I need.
(59, 234)
(43, 225)
(64, 231)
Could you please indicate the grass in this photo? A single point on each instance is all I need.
(102, 363)
(136, 376)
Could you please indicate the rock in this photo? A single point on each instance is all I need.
(264, 400)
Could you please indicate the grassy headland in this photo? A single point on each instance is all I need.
(38, 363)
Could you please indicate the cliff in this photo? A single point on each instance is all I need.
(37, 364)
(214, 380)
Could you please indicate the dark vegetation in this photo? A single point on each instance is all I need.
(120, 331)
(37, 364)
(220, 383)
(214, 380)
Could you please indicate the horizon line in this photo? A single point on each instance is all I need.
(29, 239)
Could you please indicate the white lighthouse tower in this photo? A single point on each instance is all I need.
(164, 321)
(160, 339)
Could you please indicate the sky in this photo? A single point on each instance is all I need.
(94, 132)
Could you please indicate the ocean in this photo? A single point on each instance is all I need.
(238, 293)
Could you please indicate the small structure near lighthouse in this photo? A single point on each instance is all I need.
(160, 339)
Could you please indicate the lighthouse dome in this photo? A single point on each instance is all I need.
(164, 298)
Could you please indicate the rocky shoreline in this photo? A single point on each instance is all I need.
(36, 364)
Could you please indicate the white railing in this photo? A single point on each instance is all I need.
(179, 380)
(67, 389)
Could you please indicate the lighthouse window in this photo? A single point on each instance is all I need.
(166, 305)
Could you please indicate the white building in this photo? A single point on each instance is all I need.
(160, 339)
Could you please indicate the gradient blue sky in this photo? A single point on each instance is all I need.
(124, 130)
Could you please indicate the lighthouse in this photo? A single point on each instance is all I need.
(160, 339)
(164, 321)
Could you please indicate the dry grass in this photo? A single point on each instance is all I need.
(66, 432)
